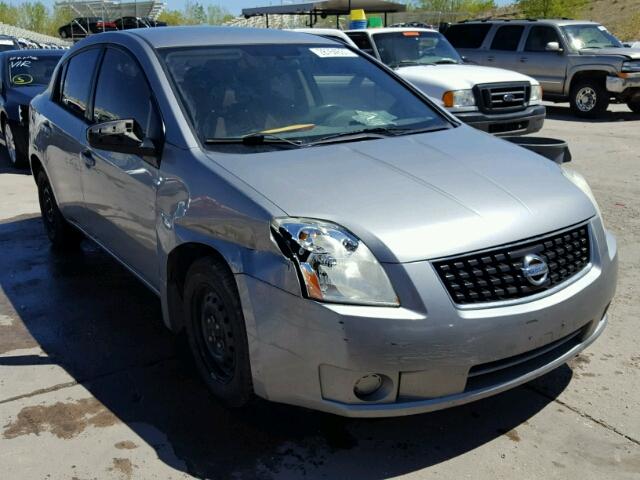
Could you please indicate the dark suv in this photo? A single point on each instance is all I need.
(574, 60)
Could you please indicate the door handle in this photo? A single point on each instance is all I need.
(523, 59)
(46, 127)
(88, 159)
(491, 58)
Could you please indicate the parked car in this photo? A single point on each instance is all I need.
(325, 234)
(8, 42)
(126, 23)
(574, 60)
(494, 100)
(152, 22)
(23, 75)
(82, 26)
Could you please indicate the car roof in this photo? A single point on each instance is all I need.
(521, 21)
(33, 52)
(206, 35)
(393, 30)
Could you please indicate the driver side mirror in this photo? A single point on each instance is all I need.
(553, 47)
(123, 136)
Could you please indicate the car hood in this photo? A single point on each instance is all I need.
(632, 53)
(419, 197)
(458, 77)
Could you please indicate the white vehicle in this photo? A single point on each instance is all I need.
(494, 100)
(330, 33)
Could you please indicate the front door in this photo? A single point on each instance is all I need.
(503, 52)
(120, 189)
(549, 68)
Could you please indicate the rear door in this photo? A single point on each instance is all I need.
(549, 68)
(64, 129)
(503, 50)
(120, 188)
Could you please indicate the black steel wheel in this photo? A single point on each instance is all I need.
(216, 331)
(60, 232)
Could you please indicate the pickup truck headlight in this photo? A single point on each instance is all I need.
(580, 182)
(333, 264)
(631, 66)
(536, 94)
(458, 98)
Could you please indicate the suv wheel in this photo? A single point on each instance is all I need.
(589, 98)
(216, 331)
(634, 105)
(15, 156)
(60, 232)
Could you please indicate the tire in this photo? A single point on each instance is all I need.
(634, 105)
(216, 331)
(589, 98)
(62, 234)
(16, 157)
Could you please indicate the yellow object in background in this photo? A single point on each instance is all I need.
(358, 14)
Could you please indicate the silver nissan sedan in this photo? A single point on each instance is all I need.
(326, 236)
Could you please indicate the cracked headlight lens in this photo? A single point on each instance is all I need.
(333, 264)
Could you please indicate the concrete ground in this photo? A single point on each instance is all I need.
(92, 386)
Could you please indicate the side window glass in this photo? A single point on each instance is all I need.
(539, 37)
(122, 92)
(507, 38)
(75, 91)
(467, 36)
(362, 41)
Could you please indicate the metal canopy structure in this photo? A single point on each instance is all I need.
(112, 9)
(325, 8)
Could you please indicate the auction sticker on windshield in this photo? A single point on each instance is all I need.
(328, 52)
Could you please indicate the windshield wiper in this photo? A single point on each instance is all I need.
(404, 63)
(257, 138)
(446, 61)
(372, 134)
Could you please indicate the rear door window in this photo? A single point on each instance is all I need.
(507, 38)
(539, 37)
(76, 87)
(467, 35)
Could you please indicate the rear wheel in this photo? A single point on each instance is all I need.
(216, 331)
(60, 232)
(589, 98)
(15, 156)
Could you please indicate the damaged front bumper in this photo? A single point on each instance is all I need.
(429, 353)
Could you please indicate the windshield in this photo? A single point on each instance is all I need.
(590, 36)
(300, 93)
(31, 70)
(406, 48)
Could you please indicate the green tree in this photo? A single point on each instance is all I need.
(217, 15)
(8, 13)
(194, 13)
(33, 16)
(550, 8)
(172, 17)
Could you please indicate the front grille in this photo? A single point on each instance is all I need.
(496, 275)
(503, 97)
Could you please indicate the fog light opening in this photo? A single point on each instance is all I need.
(367, 386)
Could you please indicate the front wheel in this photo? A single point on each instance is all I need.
(16, 157)
(216, 331)
(61, 233)
(589, 98)
(634, 105)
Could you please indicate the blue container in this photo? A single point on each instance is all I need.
(358, 25)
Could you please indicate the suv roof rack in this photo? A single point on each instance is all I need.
(491, 19)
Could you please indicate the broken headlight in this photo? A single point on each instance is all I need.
(333, 264)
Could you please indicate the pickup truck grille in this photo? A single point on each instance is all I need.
(503, 97)
(496, 275)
